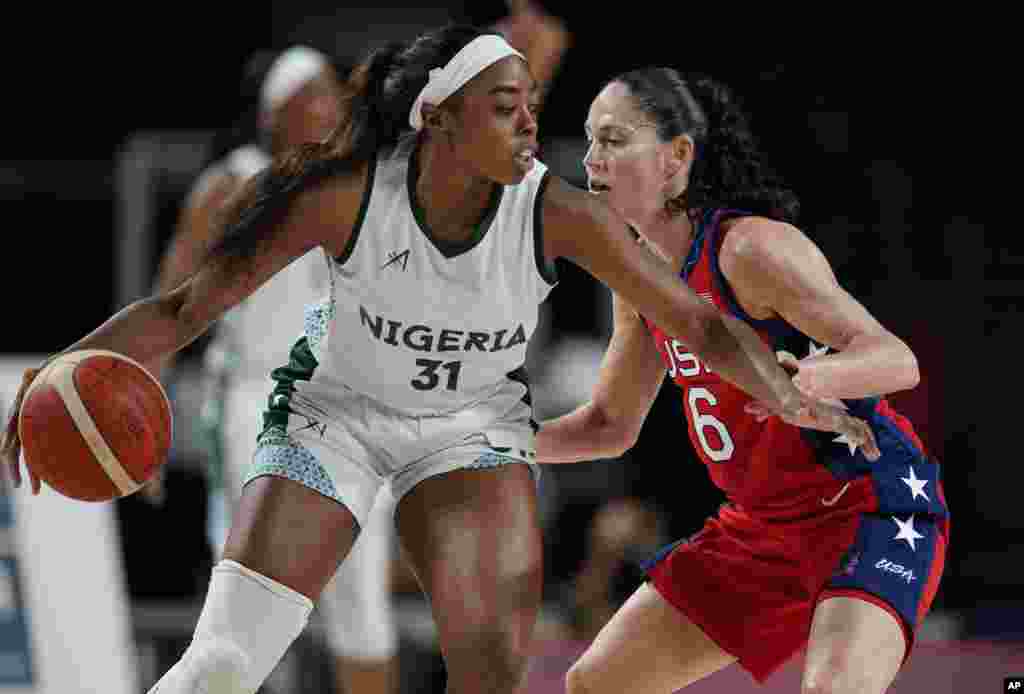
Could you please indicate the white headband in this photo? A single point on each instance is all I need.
(288, 74)
(470, 61)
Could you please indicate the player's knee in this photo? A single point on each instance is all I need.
(212, 665)
(502, 656)
(835, 678)
(488, 660)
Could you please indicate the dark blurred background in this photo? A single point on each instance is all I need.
(879, 122)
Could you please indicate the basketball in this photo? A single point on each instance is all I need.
(95, 425)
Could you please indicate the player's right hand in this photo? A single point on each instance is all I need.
(823, 415)
(10, 445)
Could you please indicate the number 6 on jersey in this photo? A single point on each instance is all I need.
(702, 421)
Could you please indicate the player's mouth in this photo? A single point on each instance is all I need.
(597, 187)
(526, 155)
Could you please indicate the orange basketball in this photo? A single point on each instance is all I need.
(95, 425)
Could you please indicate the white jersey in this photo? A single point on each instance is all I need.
(254, 337)
(416, 324)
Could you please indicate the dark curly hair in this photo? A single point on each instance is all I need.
(727, 171)
(376, 100)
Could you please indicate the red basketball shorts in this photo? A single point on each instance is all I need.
(752, 585)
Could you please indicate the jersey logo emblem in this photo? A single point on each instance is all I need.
(834, 500)
(397, 259)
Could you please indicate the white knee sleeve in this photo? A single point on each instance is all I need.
(247, 624)
(356, 605)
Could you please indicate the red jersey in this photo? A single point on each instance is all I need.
(771, 467)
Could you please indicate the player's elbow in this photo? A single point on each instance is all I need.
(191, 317)
(619, 433)
(911, 372)
(626, 438)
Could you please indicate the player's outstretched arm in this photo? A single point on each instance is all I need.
(268, 230)
(582, 229)
(541, 37)
(609, 424)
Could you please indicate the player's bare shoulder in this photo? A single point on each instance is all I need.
(328, 200)
(756, 240)
(763, 259)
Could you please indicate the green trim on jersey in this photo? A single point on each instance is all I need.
(449, 249)
(519, 375)
(547, 270)
(371, 173)
(301, 365)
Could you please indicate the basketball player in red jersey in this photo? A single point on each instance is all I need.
(816, 546)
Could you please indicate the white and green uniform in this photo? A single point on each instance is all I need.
(413, 365)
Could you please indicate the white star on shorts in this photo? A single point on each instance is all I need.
(907, 531)
(916, 485)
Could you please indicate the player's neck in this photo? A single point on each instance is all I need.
(672, 235)
(452, 202)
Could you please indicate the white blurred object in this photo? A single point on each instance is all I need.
(564, 375)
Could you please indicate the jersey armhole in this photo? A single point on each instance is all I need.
(776, 327)
(371, 173)
(547, 269)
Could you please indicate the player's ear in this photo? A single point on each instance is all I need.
(437, 119)
(684, 151)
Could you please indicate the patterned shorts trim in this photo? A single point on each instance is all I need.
(280, 456)
(492, 459)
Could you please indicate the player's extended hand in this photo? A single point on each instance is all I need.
(10, 446)
(823, 414)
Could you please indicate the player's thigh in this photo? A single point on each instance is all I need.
(648, 647)
(301, 508)
(855, 647)
(473, 539)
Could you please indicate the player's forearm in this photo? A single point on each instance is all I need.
(871, 365)
(736, 352)
(583, 434)
(146, 331)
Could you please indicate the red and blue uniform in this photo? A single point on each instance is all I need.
(808, 516)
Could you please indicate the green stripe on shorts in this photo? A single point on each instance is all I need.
(300, 367)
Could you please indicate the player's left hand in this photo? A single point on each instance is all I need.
(823, 414)
(10, 443)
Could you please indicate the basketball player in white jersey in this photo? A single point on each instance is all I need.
(299, 102)
(441, 229)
